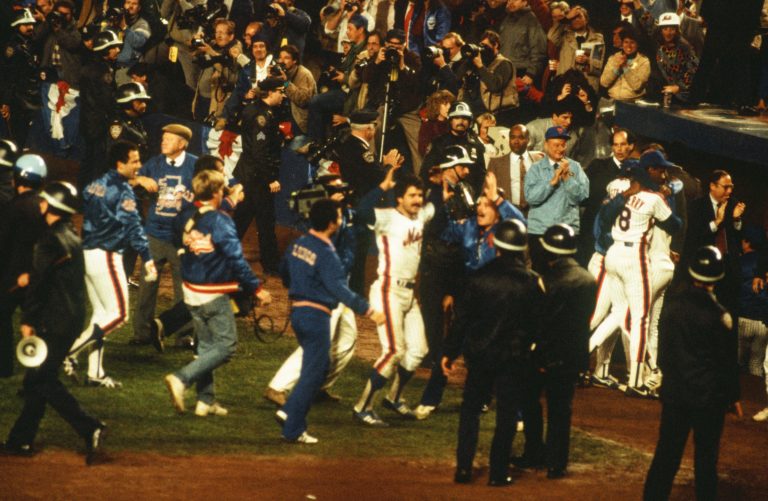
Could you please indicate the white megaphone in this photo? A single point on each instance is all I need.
(31, 351)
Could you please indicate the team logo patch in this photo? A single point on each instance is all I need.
(261, 120)
(129, 205)
(9, 52)
(431, 22)
(368, 156)
(198, 243)
(115, 130)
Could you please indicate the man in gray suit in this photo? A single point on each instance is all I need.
(510, 169)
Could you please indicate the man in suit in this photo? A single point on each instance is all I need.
(600, 172)
(715, 219)
(510, 169)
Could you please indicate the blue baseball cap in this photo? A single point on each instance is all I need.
(654, 158)
(557, 133)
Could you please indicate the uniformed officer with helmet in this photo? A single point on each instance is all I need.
(131, 100)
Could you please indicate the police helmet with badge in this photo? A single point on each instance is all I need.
(460, 109)
(511, 236)
(24, 16)
(560, 240)
(707, 265)
(106, 39)
(130, 92)
(30, 170)
(462, 204)
(61, 197)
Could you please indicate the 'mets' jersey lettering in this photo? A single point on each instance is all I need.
(304, 254)
(399, 238)
(638, 216)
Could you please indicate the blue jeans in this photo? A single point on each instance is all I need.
(321, 110)
(313, 331)
(217, 339)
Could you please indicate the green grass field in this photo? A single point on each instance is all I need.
(141, 418)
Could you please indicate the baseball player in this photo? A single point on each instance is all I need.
(628, 258)
(398, 237)
(111, 222)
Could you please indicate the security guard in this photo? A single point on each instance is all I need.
(97, 98)
(460, 133)
(494, 329)
(19, 84)
(259, 169)
(131, 100)
(697, 354)
(20, 227)
(561, 351)
(54, 310)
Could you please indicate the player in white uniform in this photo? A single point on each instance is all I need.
(398, 237)
(611, 307)
(628, 258)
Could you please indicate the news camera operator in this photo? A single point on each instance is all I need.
(135, 32)
(259, 169)
(494, 89)
(284, 21)
(61, 42)
(221, 60)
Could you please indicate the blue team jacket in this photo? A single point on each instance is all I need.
(313, 272)
(111, 219)
(213, 259)
(174, 193)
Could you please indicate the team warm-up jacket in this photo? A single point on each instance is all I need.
(111, 219)
(212, 261)
(174, 193)
(314, 276)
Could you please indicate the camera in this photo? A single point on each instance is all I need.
(471, 51)
(326, 82)
(276, 69)
(271, 13)
(462, 204)
(361, 65)
(391, 55)
(301, 201)
(202, 16)
(350, 6)
(198, 42)
(56, 18)
(325, 149)
(114, 15)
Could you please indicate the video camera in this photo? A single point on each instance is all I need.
(301, 201)
(326, 148)
(202, 16)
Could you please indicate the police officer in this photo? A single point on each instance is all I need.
(20, 227)
(697, 354)
(97, 98)
(9, 152)
(494, 329)
(55, 311)
(316, 283)
(19, 85)
(561, 351)
(131, 100)
(460, 133)
(259, 169)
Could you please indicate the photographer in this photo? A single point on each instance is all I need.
(358, 90)
(300, 86)
(449, 65)
(181, 36)
(335, 24)
(136, 32)
(61, 42)
(248, 79)
(283, 21)
(221, 61)
(568, 37)
(495, 89)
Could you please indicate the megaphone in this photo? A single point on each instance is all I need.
(31, 351)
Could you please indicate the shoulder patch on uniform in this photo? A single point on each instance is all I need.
(129, 205)
(115, 129)
(261, 120)
(9, 52)
(261, 136)
(368, 156)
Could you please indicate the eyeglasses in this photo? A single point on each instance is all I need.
(726, 187)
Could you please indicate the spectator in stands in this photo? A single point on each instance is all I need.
(285, 22)
(301, 86)
(569, 37)
(510, 169)
(436, 123)
(61, 43)
(221, 62)
(562, 116)
(357, 99)
(574, 87)
(484, 16)
(135, 32)
(523, 41)
(428, 23)
(675, 59)
(626, 73)
(335, 24)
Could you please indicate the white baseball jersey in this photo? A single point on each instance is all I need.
(399, 238)
(618, 185)
(638, 216)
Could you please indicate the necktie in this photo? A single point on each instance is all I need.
(626, 18)
(721, 240)
(521, 170)
(172, 162)
(580, 40)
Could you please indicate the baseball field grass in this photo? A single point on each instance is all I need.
(141, 419)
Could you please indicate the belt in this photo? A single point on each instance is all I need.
(629, 244)
(408, 284)
(311, 304)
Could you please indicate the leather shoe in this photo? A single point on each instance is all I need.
(499, 482)
(462, 476)
(24, 450)
(327, 396)
(555, 473)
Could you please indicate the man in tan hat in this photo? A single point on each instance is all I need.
(169, 175)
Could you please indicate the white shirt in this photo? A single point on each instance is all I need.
(636, 219)
(178, 160)
(398, 239)
(712, 226)
(514, 174)
(262, 72)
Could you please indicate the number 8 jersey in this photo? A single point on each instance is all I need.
(636, 219)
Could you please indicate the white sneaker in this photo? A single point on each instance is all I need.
(306, 438)
(423, 411)
(103, 382)
(653, 381)
(176, 389)
(761, 416)
(202, 409)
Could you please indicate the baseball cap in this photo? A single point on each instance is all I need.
(654, 158)
(669, 19)
(395, 33)
(363, 117)
(557, 133)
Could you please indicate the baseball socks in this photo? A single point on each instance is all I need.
(401, 379)
(374, 384)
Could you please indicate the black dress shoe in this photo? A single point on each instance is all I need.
(23, 450)
(462, 476)
(94, 443)
(554, 473)
(499, 482)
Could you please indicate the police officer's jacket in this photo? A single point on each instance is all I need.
(499, 315)
(19, 78)
(20, 227)
(262, 141)
(563, 341)
(56, 299)
(315, 277)
(697, 350)
(474, 147)
(111, 219)
(212, 260)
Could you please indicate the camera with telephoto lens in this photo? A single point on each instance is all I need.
(350, 6)
(432, 52)
(392, 56)
(276, 69)
(197, 42)
(471, 51)
(114, 15)
(462, 204)
(361, 65)
(56, 18)
(326, 82)
(202, 16)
